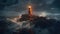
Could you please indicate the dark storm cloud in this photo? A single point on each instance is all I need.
(56, 4)
(4, 3)
(21, 5)
(42, 4)
(38, 4)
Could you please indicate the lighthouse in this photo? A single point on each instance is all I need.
(30, 10)
(28, 16)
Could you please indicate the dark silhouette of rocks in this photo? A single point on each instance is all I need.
(52, 25)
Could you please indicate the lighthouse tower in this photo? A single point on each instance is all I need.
(30, 10)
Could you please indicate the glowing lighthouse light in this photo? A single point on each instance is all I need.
(29, 6)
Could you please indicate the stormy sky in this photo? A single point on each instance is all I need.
(16, 7)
